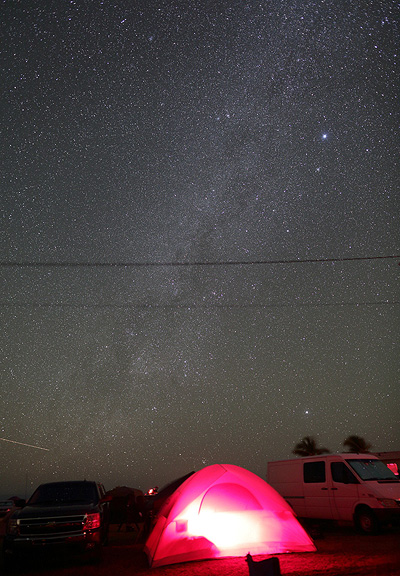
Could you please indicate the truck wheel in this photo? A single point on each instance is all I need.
(97, 554)
(9, 565)
(105, 536)
(365, 521)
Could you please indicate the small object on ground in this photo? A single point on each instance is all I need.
(267, 567)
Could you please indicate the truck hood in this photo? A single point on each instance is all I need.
(36, 511)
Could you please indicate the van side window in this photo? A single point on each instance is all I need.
(314, 472)
(340, 473)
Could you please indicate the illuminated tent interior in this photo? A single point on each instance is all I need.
(220, 511)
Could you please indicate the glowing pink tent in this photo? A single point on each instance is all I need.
(224, 510)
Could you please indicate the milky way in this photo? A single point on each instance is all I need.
(257, 141)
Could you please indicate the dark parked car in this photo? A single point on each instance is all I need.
(71, 516)
(6, 506)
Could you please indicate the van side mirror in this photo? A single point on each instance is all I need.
(350, 479)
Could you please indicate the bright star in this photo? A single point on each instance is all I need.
(324, 136)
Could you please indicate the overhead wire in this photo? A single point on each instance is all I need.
(119, 264)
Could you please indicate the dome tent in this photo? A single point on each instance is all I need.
(220, 511)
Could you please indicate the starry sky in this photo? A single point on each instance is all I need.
(199, 233)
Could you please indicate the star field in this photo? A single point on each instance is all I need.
(161, 134)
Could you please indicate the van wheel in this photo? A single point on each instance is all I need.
(365, 521)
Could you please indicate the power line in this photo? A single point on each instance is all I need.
(68, 264)
(216, 305)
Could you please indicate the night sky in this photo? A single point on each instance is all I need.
(200, 209)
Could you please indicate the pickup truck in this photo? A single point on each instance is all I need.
(72, 516)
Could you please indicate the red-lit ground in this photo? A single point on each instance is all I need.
(340, 552)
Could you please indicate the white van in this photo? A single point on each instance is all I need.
(345, 487)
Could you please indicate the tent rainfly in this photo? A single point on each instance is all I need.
(221, 511)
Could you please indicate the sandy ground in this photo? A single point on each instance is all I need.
(340, 552)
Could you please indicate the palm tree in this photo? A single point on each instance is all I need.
(308, 447)
(357, 444)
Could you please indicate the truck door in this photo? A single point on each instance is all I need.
(344, 491)
(317, 492)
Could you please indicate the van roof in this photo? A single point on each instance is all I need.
(339, 456)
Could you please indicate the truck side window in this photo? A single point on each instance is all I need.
(314, 472)
(340, 473)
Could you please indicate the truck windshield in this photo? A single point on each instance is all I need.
(371, 469)
(64, 493)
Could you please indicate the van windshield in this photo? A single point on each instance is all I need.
(371, 469)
